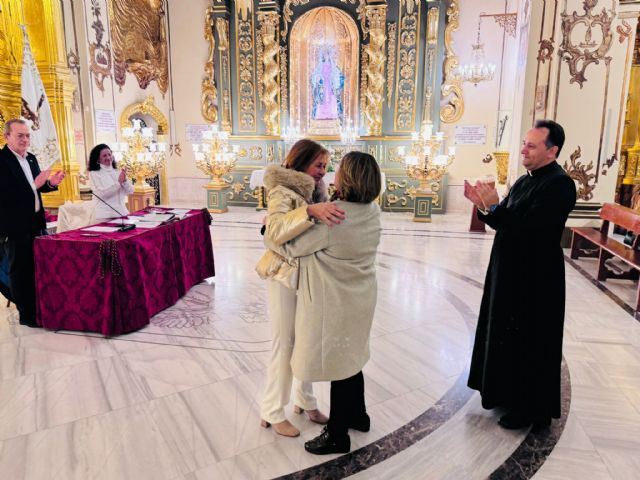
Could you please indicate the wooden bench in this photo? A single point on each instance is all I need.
(607, 247)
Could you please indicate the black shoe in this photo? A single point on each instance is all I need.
(326, 443)
(30, 324)
(541, 425)
(362, 424)
(515, 421)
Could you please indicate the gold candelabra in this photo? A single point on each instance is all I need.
(424, 162)
(215, 157)
(142, 156)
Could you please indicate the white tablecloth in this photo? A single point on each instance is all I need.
(257, 179)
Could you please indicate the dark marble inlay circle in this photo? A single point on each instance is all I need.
(523, 463)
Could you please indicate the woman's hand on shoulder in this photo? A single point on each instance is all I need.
(327, 212)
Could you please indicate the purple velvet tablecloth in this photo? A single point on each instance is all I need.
(80, 285)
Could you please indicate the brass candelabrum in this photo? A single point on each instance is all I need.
(215, 157)
(424, 162)
(142, 156)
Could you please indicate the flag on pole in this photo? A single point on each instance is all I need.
(36, 110)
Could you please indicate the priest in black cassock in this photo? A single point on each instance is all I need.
(518, 346)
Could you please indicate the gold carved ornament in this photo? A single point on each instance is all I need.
(247, 102)
(148, 107)
(581, 174)
(407, 66)
(139, 41)
(364, 62)
(100, 62)
(284, 84)
(588, 51)
(209, 99)
(222, 27)
(287, 13)
(376, 16)
(268, 27)
(391, 60)
(451, 87)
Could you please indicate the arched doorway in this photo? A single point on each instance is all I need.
(324, 71)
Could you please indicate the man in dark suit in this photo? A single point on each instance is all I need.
(22, 213)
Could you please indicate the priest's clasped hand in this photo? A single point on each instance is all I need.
(482, 195)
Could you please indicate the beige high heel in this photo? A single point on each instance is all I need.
(284, 428)
(316, 416)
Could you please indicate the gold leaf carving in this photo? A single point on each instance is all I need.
(209, 100)
(269, 33)
(453, 109)
(376, 16)
(391, 59)
(284, 84)
(247, 102)
(139, 41)
(581, 174)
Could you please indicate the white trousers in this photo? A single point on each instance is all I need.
(281, 307)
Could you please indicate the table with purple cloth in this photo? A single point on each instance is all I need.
(115, 282)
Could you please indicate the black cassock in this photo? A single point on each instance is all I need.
(518, 346)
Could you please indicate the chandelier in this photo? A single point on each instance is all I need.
(142, 156)
(214, 156)
(478, 70)
(424, 162)
(348, 133)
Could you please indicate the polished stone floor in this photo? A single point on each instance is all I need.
(180, 398)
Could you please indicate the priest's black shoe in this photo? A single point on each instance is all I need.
(362, 424)
(326, 443)
(514, 421)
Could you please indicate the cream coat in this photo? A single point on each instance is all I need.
(336, 295)
(289, 193)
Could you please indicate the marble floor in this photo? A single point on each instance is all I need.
(180, 398)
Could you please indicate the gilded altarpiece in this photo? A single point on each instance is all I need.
(318, 67)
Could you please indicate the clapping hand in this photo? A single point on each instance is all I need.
(56, 178)
(123, 176)
(482, 195)
(472, 195)
(42, 178)
(327, 212)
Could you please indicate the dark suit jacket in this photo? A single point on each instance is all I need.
(17, 215)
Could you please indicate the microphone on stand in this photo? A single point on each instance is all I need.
(123, 227)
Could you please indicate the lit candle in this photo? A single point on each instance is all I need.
(452, 151)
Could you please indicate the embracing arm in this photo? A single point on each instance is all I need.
(283, 224)
(311, 241)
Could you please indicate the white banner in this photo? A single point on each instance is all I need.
(36, 110)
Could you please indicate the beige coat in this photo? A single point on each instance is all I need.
(289, 193)
(336, 295)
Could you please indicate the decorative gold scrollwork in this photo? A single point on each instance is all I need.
(284, 84)
(247, 101)
(404, 118)
(222, 27)
(139, 41)
(580, 56)
(376, 16)
(391, 60)
(581, 174)
(269, 32)
(451, 86)
(209, 99)
(624, 31)
(287, 14)
(100, 53)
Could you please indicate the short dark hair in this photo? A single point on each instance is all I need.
(555, 137)
(94, 157)
(7, 126)
(303, 153)
(360, 180)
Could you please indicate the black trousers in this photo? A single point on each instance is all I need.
(22, 277)
(347, 404)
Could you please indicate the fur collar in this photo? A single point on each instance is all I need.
(299, 182)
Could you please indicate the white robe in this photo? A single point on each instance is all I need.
(105, 184)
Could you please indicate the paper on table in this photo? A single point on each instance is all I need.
(179, 211)
(98, 228)
(156, 217)
(148, 224)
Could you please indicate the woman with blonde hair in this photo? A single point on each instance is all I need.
(336, 300)
(296, 199)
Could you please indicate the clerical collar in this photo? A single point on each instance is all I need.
(542, 170)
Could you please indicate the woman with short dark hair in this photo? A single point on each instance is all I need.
(337, 295)
(108, 183)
